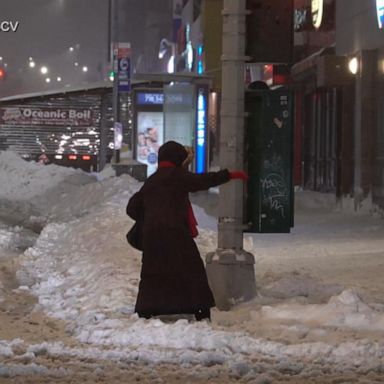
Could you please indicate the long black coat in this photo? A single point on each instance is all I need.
(173, 278)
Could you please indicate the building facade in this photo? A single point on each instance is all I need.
(360, 38)
(338, 80)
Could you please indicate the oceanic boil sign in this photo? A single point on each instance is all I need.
(9, 26)
(45, 116)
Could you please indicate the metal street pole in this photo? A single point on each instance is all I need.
(115, 94)
(230, 269)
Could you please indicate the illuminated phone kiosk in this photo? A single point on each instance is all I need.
(178, 111)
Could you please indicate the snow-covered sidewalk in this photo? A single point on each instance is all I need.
(319, 310)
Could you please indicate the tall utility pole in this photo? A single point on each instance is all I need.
(115, 40)
(230, 269)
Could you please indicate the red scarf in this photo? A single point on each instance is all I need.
(192, 222)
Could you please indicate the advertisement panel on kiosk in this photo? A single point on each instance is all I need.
(148, 127)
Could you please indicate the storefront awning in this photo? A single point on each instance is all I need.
(166, 78)
(305, 67)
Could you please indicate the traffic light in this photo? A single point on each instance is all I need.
(2, 73)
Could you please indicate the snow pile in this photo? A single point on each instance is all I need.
(6, 238)
(6, 348)
(35, 194)
(309, 200)
(344, 310)
(83, 271)
(15, 238)
(14, 370)
(30, 190)
(298, 285)
(22, 180)
(86, 274)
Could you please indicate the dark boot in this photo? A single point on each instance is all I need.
(204, 313)
(144, 315)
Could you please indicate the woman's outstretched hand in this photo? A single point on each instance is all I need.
(241, 175)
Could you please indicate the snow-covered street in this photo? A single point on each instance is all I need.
(68, 284)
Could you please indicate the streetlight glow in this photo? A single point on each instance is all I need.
(353, 65)
(165, 45)
(44, 70)
(171, 65)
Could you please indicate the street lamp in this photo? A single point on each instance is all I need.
(164, 47)
(353, 65)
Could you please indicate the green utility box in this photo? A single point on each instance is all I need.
(268, 152)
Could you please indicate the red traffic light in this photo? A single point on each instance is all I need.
(2, 73)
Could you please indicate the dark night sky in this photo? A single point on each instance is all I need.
(46, 31)
(49, 27)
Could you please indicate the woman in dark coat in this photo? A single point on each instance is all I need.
(173, 277)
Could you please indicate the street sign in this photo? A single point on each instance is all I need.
(122, 55)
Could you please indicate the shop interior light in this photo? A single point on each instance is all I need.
(380, 12)
(317, 10)
(171, 65)
(353, 65)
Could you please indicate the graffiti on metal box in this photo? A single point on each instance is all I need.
(274, 186)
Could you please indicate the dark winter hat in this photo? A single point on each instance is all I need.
(173, 152)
